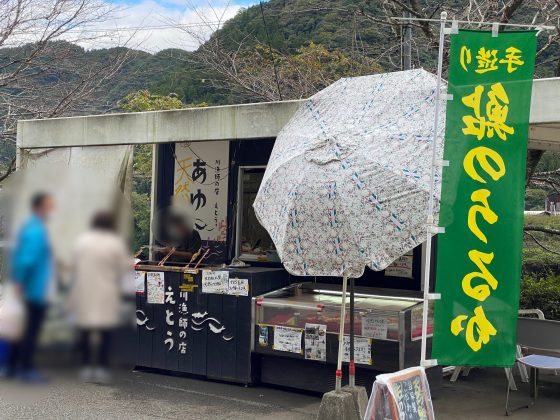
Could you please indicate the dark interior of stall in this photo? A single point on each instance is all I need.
(249, 242)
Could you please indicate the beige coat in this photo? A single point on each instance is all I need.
(101, 262)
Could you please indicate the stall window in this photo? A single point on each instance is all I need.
(253, 242)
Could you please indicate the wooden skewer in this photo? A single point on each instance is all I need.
(194, 257)
(204, 256)
(167, 257)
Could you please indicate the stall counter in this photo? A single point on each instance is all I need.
(199, 321)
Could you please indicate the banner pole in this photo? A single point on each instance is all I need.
(341, 336)
(430, 218)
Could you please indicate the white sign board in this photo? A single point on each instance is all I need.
(287, 339)
(156, 287)
(401, 267)
(201, 181)
(316, 342)
(374, 326)
(139, 280)
(362, 350)
(215, 281)
(238, 287)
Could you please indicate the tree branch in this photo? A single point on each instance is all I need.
(531, 228)
(540, 244)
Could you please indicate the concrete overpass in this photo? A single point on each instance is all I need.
(233, 122)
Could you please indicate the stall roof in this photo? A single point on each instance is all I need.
(234, 122)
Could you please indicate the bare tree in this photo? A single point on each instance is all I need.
(42, 74)
(250, 67)
(547, 180)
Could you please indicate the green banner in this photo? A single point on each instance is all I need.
(482, 200)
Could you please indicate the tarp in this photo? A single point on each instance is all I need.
(83, 180)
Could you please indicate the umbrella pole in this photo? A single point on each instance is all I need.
(341, 336)
(352, 366)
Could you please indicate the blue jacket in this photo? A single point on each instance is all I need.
(32, 265)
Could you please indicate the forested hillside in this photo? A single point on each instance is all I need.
(363, 31)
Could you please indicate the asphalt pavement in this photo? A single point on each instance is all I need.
(140, 395)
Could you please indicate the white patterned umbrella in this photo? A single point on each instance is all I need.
(348, 181)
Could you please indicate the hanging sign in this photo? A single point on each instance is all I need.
(201, 182)
(401, 267)
(479, 255)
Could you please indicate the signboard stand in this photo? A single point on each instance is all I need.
(401, 395)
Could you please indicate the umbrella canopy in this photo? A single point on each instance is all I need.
(348, 180)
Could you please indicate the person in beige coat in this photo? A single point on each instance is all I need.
(101, 263)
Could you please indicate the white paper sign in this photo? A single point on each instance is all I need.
(156, 287)
(362, 350)
(238, 287)
(139, 277)
(316, 342)
(215, 281)
(201, 182)
(287, 339)
(401, 267)
(374, 326)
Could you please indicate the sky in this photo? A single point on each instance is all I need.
(199, 17)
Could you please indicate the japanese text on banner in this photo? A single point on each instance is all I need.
(479, 255)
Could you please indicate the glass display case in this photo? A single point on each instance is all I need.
(302, 321)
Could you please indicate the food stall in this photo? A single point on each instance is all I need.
(198, 321)
(217, 316)
(194, 315)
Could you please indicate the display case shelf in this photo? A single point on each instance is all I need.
(387, 325)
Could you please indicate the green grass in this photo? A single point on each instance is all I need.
(537, 260)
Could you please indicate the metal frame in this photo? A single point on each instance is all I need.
(402, 336)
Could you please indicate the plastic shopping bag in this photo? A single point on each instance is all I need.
(12, 314)
(4, 355)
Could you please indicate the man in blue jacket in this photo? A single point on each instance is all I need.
(32, 269)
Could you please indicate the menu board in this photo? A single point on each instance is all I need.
(408, 396)
(287, 339)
